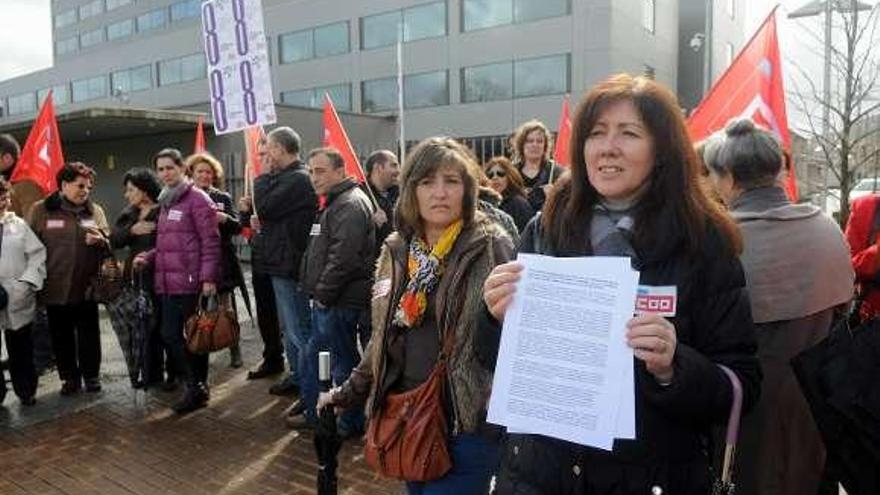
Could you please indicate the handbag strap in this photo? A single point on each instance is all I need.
(732, 424)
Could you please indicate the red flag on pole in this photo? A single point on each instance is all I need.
(335, 136)
(252, 136)
(751, 87)
(41, 157)
(563, 136)
(200, 137)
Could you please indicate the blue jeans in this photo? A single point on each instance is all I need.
(296, 321)
(474, 461)
(337, 331)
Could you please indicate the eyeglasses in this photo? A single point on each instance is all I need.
(496, 173)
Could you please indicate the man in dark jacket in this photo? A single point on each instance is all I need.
(285, 204)
(382, 170)
(338, 271)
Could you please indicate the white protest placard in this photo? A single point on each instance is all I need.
(238, 64)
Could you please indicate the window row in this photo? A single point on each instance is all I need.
(490, 82)
(87, 10)
(119, 83)
(427, 20)
(146, 22)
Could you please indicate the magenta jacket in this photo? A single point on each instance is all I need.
(187, 250)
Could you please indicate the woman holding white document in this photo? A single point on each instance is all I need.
(634, 190)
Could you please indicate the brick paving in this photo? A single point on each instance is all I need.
(121, 441)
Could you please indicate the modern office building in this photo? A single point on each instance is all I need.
(472, 69)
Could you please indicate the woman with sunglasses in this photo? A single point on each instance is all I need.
(506, 180)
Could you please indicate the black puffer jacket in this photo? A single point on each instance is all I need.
(231, 275)
(285, 204)
(713, 325)
(338, 268)
(121, 237)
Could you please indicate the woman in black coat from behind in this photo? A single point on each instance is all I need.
(207, 174)
(633, 190)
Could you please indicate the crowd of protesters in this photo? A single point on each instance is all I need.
(406, 279)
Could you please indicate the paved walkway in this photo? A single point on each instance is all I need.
(124, 442)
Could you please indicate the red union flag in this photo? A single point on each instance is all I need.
(752, 88)
(200, 137)
(563, 135)
(41, 157)
(252, 137)
(335, 137)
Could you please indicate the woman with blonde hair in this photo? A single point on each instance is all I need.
(531, 157)
(426, 310)
(207, 174)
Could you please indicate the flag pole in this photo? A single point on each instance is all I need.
(400, 120)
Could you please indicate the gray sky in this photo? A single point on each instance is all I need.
(26, 37)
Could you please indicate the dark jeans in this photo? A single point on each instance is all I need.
(474, 461)
(76, 339)
(42, 339)
(267, 318)
(158, 357)
(20, 349)
(175, 311)
(337, 331)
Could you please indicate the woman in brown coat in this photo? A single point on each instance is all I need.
(74, 231)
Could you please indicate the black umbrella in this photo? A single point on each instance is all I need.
(838, 377)
(327, 440)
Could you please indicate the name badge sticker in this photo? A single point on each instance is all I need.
(661, 300)
(88, 223)
(54, 224)
(381, 288)
(218, 206)
(316, 229)
(175, 215)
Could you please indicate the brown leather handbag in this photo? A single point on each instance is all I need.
(213, 327)
(407, 438)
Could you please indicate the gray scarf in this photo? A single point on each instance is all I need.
(170, 195)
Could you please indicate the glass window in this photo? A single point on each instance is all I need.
(426, 90)
(296, 46)
(23, 103)
(541, 76)
(300, 98)
(314, 97)
(89, 89)
(67, 45)
(121, 29)
(185, 10)
(380, 30)
(182, 69)
(151, 20)
(65, 18)
(60, 94)
(648, 7)
(193, 67)
(115, 4)
(487, 82)
(129, 80)
(480, 14)
(379, 94)
(331, 40)
(424, 21)
(533, 10)
(91, 9)
(91, 38)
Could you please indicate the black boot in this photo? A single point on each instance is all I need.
(195, 397)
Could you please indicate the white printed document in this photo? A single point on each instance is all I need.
(564, 369)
